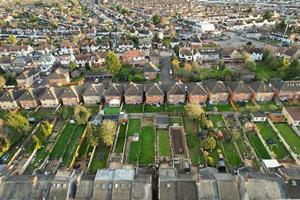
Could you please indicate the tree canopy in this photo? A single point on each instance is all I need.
(81, 114)
(18, 122)
(12, 39)
(194, 111)
(108, 131)
(156, 19)
(93, 135)
(113, 63)
(209, 143)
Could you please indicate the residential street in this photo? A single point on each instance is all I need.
(165, 77)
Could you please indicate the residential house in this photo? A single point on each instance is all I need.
(195, 43)
(196, 93)
(176, 93)
(231, 55)
(19, 64)
(93, 94)
(27, 78)
(114, 94)
(174, 42)
(133, 57)
(258, 117)
(83, 60)
(286, 90)
(261, 91)
(101, 58)
(149, 71)
(256, 54)
(145, 43)
(154, 94)
(5, 63)
(65, 59)
(50, 98)
(59, 77)
(44, 48)
(134, 94)
(70, 96)
(239, 91)
(16, 50)
(185, 54)
(68, 48)
(29, 98)
(125, 45)
(46, 62)
(292, 53)
(8, 99)
(217, 91)
(203, 55)
(292, 114)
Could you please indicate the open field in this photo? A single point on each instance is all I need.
(289, 136)
(147, 153)
(258, 146)
(273, 141)
(164, 142)
(134, 126)
(121, 139)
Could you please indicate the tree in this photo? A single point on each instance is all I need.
(187, 67)
(37, 142)
(108, 131)
(81, 114)
(209, 143)
(267, 15)
(93, 135)
(194, 111)
(113, 63)
(18, 122)
(209, 124)
(12, 39)
(4, 144)
(210, 161)
(156, 19)
(235, 135)
(164, 20)
(72, 65)
(2, 81)
(48, 127)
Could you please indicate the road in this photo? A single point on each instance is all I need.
(165, 77)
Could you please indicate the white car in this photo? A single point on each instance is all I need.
(40, 81)
(171, 72)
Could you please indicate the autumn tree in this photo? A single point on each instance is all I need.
(4, 143)
(72, 65)
(2, 81)
(187, 67)
(209, 143)
(194, 111)
(108, 131)
(18, 122)
(37, 142)
(113, 63)
(93, 135)
(81, 114)
(12, 39)
(235, 134)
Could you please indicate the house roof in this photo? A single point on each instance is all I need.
(239, 87)
(27, 74)
(51, 93)
(286, 86)
(59, 74)
(154, 90)
(176, 89)
(93, 90)
(294, 112)
(216, 86)
(30, 94)
(196, 89)
(185, 51)
(149, 67)
(69, 92)
(114, 90)
(291, 51)
(11, 95)
(134, 89)
(133, 54)
(260, 87)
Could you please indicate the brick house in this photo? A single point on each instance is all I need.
(196, 93)
(154, 94)
(134, 94)
(176, 93)
(28, 99)
(50, 98)
(59, 77)
(27, 78)
(231, 55)
(93, 93)
(261, 91)
(239, 91)
(8, 99)
(114, 92)
(70, 96)
(149, 71)
(133, 57)
(217, 92)
(286, 90)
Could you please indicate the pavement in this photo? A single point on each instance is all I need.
(165, 67)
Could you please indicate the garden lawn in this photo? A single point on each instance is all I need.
(164, 142)
(84, 148)
(175, 120)
(258, 146)
(128, 108)
(289, 136)
(220, 107)
(154, 108)
(40, 156)
(218, 122)
(268, 134)
(93, 109)
(134, 126)
(147, 152)
(231, 154)
(100, 158)
(121, 139)
(71, 147)
(134, 151)
(62, 142)
(111, 110)
(262, 72)
(242, 147)
(175, 108)
(269, 106)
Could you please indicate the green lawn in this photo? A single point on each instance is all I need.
(71, 147)
(147, 153)
(289, 136)
(134, 151)
(269, 135)
(84, 148)
(134, 126)
(269, 106)
(242, 147)
(121, 139)
(128, 108)
(175, 108)
(218, 121)
(262, 72)
(175, 120)
(258, 146)
(100, 158)
(231, 154)
(164, 142)
(220, 107)
(93, 109)
(40, 156)
(62, 141)
(111, 110)
(153, 108)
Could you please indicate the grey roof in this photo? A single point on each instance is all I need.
(51, 93)
(285, 86)
(93, 90)
(85, 187)
(196, 89)
(70, 92)
(149, 67)
(30, 94)
(134, 90)
(176, 89)
(215, 86)
(260, 87)
(239, 87)
(114, 90)
(154, 90)
(11, 95)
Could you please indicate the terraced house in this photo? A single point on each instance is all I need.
(176, 93)
(50, 98)
(93, 94)
(261, 91)
(8, 99)
(134, 94)
(70, 96)
(217, 92)
(154, 94)
(196, 93)
(29, 98)
(113, 94)
(286, 90)
(239, 92)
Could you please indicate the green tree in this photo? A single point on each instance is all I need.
(209, 143)
(93, 135)
(156, 19)
(81, 114)
(194, 111)
(12, 39)
(113, 63)
(18, 122)
(108, 131)
(72, 65)
(267, 15)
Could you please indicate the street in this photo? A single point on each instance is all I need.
(165, 76)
